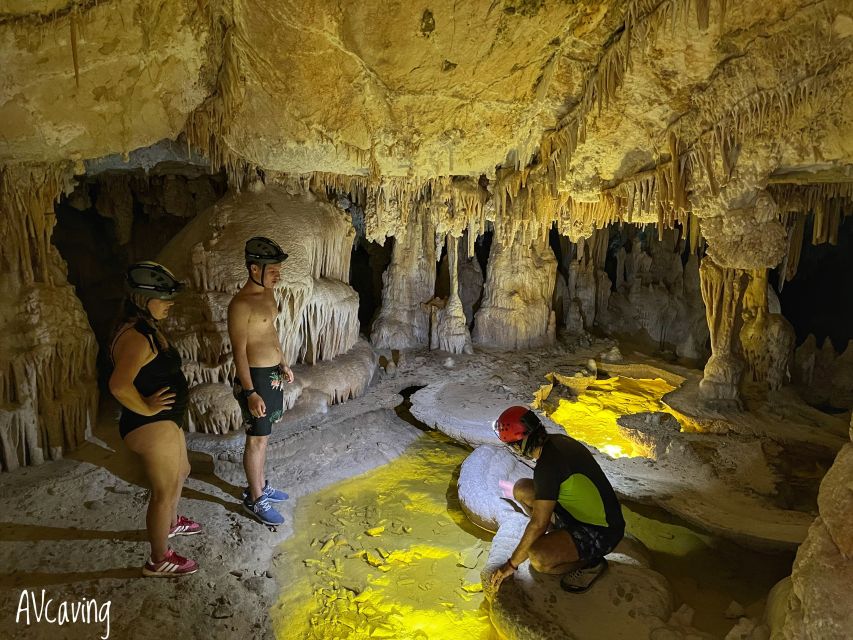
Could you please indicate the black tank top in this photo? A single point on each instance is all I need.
(163, 371)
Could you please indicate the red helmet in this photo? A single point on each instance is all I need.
(515, 424)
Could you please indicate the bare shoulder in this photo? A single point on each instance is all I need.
(130, 342)
(239, 305)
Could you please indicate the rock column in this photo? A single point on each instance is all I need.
(409, 283)
(722, 292)
(516, 311)
(745, 238)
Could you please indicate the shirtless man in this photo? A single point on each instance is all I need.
(261, 370)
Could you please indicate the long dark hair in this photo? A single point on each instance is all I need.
(135, 313)
(536, 436)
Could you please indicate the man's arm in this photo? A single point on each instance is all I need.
(238, 333)
(288, 374)
(538, 525)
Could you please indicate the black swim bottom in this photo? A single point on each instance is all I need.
(592, 542)
(269, 383)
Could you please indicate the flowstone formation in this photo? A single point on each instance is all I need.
(318, 311)
(48, 393)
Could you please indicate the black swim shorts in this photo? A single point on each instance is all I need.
(592, 542)
(269, 383)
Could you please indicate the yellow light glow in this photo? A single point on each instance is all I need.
(388, 554)
(591, 416)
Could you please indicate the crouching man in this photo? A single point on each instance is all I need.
(575, 517)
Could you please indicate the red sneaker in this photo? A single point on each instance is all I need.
(184, 527)
(172, 565)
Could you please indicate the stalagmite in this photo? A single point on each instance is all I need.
(48, 391)
(470, 286)
(659, 301)
(824, 377)
(766, 338)
(516, 311)
(409, 282)
(452, 326)
(585, 290)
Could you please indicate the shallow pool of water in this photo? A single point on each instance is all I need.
(706, 572)
(388, 554)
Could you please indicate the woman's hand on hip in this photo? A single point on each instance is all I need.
(160, 400)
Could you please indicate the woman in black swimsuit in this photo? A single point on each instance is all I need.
(148, 382)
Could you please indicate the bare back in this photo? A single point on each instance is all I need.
(251, 318)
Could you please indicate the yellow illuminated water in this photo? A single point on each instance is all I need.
(591, 416)
(388, 554)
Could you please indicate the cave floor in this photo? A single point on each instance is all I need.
(405, 554)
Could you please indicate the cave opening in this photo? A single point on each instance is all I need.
(367, 265)
(482, 248)
(114, 218)
(818, 300)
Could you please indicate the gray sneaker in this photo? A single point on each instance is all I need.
(580, 580)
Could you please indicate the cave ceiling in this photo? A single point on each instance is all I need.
(391, 88)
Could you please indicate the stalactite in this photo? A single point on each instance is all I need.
(642, 18)
(599, 243)
(795, 247)
(711, 155)
(209, 125)
(73, 21)
(750, 116)
(829, 203)
(329, 322)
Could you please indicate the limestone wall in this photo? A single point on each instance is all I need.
(48, 392)
(820, 605)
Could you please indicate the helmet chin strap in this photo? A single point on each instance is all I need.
(525, 443)
(263, 272)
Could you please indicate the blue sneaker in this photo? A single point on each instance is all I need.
(263, 511)
(273, 495)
